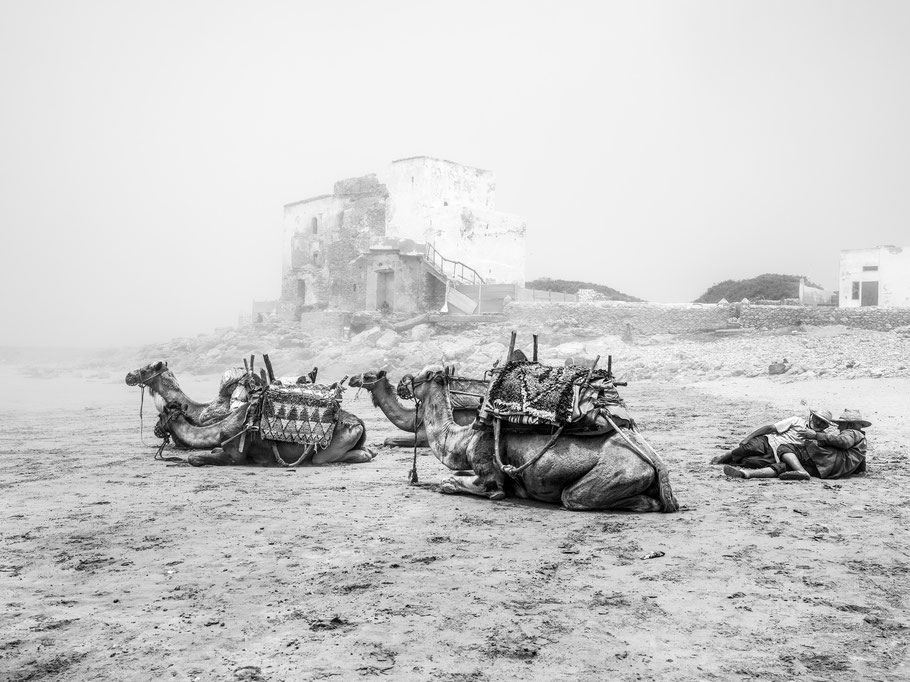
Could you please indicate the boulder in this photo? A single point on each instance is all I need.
(388, 339)
(421, 332)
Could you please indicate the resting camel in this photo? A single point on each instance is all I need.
(223, 435)
(583, 472)
(403, 416)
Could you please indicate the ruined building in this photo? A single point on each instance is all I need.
(398, 244)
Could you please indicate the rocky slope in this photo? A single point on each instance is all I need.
(834, 352)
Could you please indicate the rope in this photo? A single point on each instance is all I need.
(632, 445)
(280, 460)
(517, 471)
(143, 384)
(418, 420)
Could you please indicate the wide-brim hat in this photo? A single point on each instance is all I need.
(853, 417)
(824, 415)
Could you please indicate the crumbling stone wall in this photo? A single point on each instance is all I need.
(325, 324)
(618, 318)
(777, 316)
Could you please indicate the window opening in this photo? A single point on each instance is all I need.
(855, 293)
(870, 268)
(315, 227)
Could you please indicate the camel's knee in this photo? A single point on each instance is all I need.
(217, 457)
(359, 456)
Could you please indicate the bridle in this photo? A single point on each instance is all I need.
(418, 419)
(143, 383)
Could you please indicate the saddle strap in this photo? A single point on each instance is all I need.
(306, 455)
(514, 472)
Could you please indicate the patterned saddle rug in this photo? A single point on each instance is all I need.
(305, 414)
(535, 395)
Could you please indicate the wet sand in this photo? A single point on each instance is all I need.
(115, 566)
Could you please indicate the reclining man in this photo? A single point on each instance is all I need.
(830, 455)
(759, 455)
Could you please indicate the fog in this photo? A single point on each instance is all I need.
(657, 148)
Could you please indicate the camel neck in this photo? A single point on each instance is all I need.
(384, 396)
(448, 441)
(166, 388)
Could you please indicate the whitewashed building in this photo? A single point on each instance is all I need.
(879, 276)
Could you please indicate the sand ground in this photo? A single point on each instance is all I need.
(117, 567)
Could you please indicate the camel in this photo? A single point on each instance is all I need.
(198, 426)
(582, 472)
(346, 446)
(385, 398)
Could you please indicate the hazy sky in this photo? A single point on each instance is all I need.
(147, 149)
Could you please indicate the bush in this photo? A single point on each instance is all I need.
(571, 286)
(767, 287)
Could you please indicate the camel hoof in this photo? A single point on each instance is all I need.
(497, 495)
(195, 460)
(448, 488)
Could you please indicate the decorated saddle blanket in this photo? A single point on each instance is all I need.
(535, 395)
(305, 414)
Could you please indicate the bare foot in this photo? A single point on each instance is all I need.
(735, 472)
(795, 476)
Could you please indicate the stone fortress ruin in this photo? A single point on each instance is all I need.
(401, 243)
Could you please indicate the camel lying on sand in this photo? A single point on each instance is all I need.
(404, 416)
(224, 437)
(581, 472)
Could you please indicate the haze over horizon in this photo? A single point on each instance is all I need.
(655, 148)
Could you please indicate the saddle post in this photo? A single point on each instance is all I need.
(268, 367)
(591, 371)
(535, 348)
(511, 346)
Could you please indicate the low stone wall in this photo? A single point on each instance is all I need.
(326, 324)
(616, 317)
(777, 316)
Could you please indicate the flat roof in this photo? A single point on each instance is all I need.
(434, 158)
(305, 201)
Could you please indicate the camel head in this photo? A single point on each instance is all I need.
(143, 375)
(366, 380)
(417, 386)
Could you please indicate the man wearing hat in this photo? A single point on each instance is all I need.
(759, 453)
(830, 455)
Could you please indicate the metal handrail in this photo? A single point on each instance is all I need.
(430, 255)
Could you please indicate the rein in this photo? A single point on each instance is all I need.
(418, 421)
(143, 384)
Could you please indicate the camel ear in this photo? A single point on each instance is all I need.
(380, 374)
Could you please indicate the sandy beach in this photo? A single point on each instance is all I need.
(115, 566)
